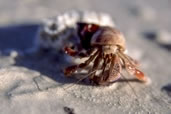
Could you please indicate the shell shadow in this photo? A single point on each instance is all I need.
(21, 38)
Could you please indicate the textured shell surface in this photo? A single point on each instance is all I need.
(108, 36)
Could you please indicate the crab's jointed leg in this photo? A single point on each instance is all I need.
(131, 68)
(112, 73)
(95, 66)
(75, 53)
(115, 69)
(70, 70)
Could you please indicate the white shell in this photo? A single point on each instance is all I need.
(65, 26)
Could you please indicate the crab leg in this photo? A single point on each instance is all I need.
(115, 69)
(131, 69)
(129, 59)
(70, 70)
(134, 71)
(133, 61)
(74, 53)
(100, 80)
(112, 74)
(106, 59)
(95, 66)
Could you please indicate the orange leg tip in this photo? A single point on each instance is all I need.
(140, 75)
(146, 80)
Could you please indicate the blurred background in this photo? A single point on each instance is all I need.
(20, 19)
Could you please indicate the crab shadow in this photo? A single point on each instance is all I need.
(21, 38)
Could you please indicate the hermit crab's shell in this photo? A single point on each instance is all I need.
(108, 36)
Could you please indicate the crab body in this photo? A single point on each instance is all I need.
(104, 46)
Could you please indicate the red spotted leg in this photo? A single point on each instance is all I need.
(130, 66)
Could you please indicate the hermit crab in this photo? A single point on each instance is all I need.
(104, 46)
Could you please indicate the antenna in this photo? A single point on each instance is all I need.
(130, 85)
(80, 80)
